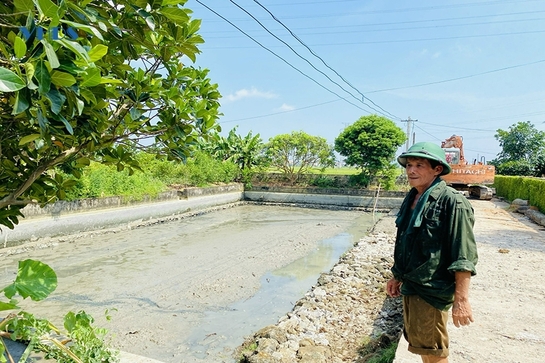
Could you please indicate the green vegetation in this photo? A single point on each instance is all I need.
(370, 144)
(523, 150)
(377, 350)
(90, 80)
(157, 175)
(296, 153)
(513, 187)
(80, 343)
(246, 152)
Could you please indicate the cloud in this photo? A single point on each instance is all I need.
(286, 107)
(251, 93)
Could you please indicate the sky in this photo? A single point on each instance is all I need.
(467, 67)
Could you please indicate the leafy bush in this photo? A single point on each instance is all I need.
(528, 188)
(325, 181)
(83, 343)
(514, 167)
(156, 175)
(204, 170)
(99, 180)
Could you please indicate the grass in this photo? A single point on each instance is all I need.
(378, 350)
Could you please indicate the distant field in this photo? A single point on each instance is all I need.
(336, 171)
(327, 171)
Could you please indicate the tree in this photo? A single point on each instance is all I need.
(294, 154)
(522, 152)
(246, 152)
(370, 144)
(85, 80)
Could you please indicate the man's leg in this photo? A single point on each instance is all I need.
(434, 359)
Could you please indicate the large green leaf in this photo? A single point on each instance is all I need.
(51, 55)
(7, 306)
(92, 78)
(23, 5)
(48, 9)
(62, 79)
(86, 28)
(76, 48)
(43, 77)
(28, 138)
(97, 52)
(176, 15)
(22, 102)
(19, 47)
(34, 279)
(9, 81)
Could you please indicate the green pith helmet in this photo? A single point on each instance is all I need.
(427, 150)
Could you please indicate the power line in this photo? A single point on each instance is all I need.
(397, 23)
(329, 15)
(281, 112)
(323, 62)
(276, 55)
(458, 78)
(294, 51)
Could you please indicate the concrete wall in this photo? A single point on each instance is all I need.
(352, 201)
(63, 218)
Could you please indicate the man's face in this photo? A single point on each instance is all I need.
(420, 173)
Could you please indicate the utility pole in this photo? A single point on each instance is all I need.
(410, 130)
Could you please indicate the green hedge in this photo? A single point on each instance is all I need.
(523, 187)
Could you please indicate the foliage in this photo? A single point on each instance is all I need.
(85, 343)
(296, 153)
(370, 144)
(205, 170)
(528, 188)
(99, 180)
(156, 175)
(523, 149)
(377, 350)
(246, 152)
(513, 167)
(85, 80)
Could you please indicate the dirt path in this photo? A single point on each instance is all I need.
(507, 295)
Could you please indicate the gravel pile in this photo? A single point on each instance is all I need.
(346, 310)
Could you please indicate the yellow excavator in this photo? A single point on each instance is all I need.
(471, 178)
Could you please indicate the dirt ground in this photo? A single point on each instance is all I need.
(507, 295)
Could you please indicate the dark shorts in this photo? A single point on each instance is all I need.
(425, 327)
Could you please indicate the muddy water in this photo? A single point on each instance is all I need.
(190, 290)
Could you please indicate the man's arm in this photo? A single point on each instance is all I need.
(461, 310)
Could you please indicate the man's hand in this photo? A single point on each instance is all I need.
(461, 313)
(461, 310)
(393, 288)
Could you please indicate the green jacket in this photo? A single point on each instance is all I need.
(433, 241)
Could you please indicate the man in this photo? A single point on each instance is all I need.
(435, 254)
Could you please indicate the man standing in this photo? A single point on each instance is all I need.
(435, 254)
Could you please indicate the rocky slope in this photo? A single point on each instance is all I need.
(347, 309)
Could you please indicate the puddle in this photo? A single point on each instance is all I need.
(221, 331)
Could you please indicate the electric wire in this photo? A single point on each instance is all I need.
(276, 55)
(387, 114)
(281, 112)
(223, 36)
(458, 78)
(330, 15)
(363, 97)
